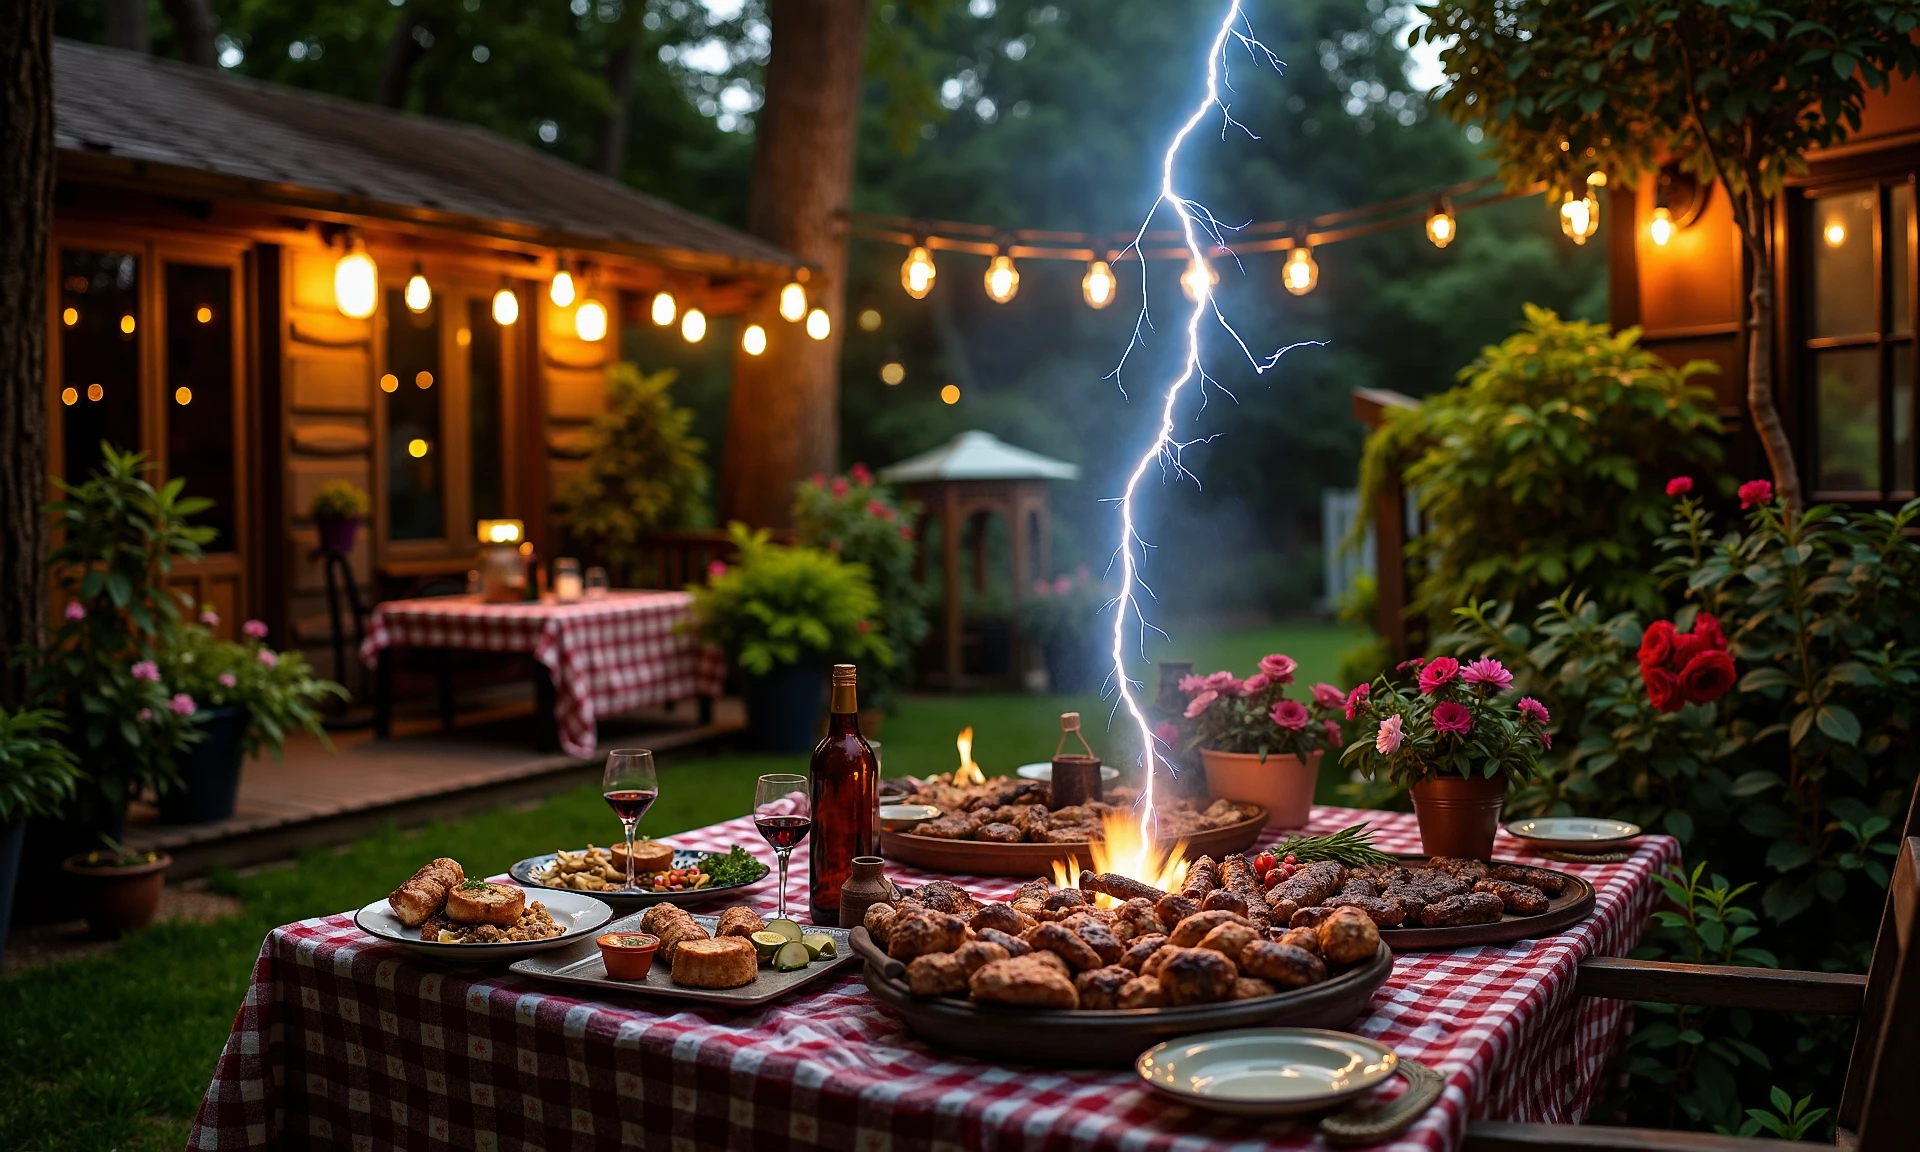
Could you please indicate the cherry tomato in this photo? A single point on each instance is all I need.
(1264, 863)
(1273, 877)
(1286, 871)
(1290, 859)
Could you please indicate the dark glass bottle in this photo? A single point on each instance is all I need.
(844, 781)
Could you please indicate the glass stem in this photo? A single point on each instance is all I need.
(783, 854)
(629, 826)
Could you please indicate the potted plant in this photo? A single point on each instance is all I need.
(1255, 743)
(337, 510)
(783, 614)
(37, 777)
(119, 888)
(1059, 619)
(1456, 741)
(249, 698)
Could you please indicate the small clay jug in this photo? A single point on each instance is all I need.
(865, 888)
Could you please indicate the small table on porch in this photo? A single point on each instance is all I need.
(594, 658)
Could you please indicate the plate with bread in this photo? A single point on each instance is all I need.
(735, 959)
(661, 872)
(442, 912)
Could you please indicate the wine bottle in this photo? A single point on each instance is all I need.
(844, 782)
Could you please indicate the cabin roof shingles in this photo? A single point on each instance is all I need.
(137, 107)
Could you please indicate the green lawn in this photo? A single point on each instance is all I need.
(115, 1052)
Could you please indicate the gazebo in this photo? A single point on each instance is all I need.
(967, 481)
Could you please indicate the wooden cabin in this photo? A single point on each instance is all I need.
(198, 310)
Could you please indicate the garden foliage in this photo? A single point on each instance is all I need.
(863, 522)
(1255, 716)
(643, 473)
(278, 689)
(785, 605)
(37, 771)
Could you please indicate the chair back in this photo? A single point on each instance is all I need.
(1877, 1103)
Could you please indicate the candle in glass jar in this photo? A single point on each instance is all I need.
(566, 580)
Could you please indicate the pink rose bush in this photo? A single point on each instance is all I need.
(1224, 713)
(1454, 720)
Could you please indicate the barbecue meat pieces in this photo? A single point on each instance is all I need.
(1194, 928)
(1100, 987)
(1064, 943)
(1552, 883)
(1002, 917)
(1467, 908)
(1026, 981)
(937, 974)
(1282, 964)
(426, 891)
(1519, 899)
(1197, 976)
(1348, 937)
(919, 933)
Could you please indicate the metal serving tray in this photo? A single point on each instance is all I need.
(580, 965)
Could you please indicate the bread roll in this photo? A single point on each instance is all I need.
(648, 856)
(496, 904)
(738, 921)
(426, 891)
(727, 962)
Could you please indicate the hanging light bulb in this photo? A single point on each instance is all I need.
(1660, 229)
(1002, 279)
(693, 326)
(664, 309)
(1198, 277)
(1300, 273)
(419, 293)
(917, 273)
(590, 320)
(561, 291)
(754, 340)
(506, 306)
(1580, 219)
(1098, 285)
(1441, 225)
(356, 282)
(793, 302)
(819, 324)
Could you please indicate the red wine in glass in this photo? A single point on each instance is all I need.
(783, 832)
(783, 812)
(630, 787)
(631, 803)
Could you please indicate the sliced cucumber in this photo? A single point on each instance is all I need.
(819, 944)
(767, 943)
(792, 957)
(786, 928)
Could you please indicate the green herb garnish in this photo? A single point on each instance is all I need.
(472, 885)
(1352, 846)
(735, 867)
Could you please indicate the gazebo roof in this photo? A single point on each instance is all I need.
(978, 455)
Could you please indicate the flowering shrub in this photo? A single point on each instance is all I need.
(1682, 668)
(1062, 615)
(782, 605)
(278, 689)
(1459, 721)
(1227, 714)
(861, 520)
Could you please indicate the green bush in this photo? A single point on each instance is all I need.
(781, 605)
(338, 500)
(37, 771)
(1544, 467)
(643, 473)
(863, 522)
(278, 689)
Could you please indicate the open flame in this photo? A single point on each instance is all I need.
(968, 772)
(1128, 849)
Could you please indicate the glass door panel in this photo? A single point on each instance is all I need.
(99, 356)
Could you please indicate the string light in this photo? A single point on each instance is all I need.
(203, 314)
(664, 309)
(693, 326)
(892, 372)
(590, 320)
(95, 392)
(1835, 235)
(1580, 219)
(183, 396)
(389, 382)
(419, 293)
(1097, 285)
(69, 396)
(506, 307)
(127, 324)
(754, 340)
(1199, 278)
(950, 394)
(1301, 271)
(1002, 279)
(423, 380)
(1442, 227)
(917, 272)
(819, 324)
(561, 290)
(870, 320)
(1660, 228)
(416, 448)
(793, 302)
(356, 282)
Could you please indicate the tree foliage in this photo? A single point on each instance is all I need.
(643, 472)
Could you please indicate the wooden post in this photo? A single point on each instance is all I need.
(1393, 582)
(950, 571)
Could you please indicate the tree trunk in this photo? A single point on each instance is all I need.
(193, 27)
(403, 52)
(623, 47)
(26, 216)
(784, 420)
(127, 25)
(1766, 417)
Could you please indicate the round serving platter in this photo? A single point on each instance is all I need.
(984, 858)
(1266, 1071)
(626, 901)
(1563, 911)
(578, 913)
(1106, 1038)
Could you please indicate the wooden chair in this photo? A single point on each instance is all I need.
(1876, 1112)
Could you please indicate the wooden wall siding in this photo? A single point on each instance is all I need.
(574, 375)
(1690, 294)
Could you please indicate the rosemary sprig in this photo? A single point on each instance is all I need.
(1352, 846)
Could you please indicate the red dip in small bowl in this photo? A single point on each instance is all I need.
(628, 955)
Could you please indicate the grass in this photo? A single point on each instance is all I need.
(116, 1051)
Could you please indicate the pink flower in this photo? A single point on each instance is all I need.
(147, 670)
(75, 611)
(1255, 684)
(839, 486)
(875, 508)
(1279, 667)
(144, 715)
(182, 704)
(255, 628)
(1332, 731)
(1490, 672)
(1219, 680)
(1755, 492)
(228, 680)
(1387, 742)
(860, 474)
(1200, 703)
(906, 531)
(1452, 716)
(1438, 672)
(1167, 733)
(1679, 485)
(1546, 740)
(1356, 698)
(819, 480)
(716, 570)
(1533, 710)
(1289, 714)
(210, 618)
(268, 658)
(1062, 584)
(1193, 685)
(1041, 587)
(1326, 695)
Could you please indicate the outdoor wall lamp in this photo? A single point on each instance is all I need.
(356, 282)
(1678, 199)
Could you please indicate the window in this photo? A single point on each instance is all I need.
(482, 338)
(1859, 342)
(99, 356)
(414, 389)
(199, 397)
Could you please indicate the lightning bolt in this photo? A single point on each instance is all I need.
(1195, 220)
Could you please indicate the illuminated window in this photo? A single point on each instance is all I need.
(416, 488)
(200, 370)
(97, 289)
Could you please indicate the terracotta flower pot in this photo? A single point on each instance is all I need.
(1458, 815)
(1284, 784)
(119, 900)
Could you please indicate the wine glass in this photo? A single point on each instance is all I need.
(784, 814)
(630, 788)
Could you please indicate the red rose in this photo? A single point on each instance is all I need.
(1663, 689)
(1755, 492)
(1707, 626)
(1707, 677)
(1656, 644)
(1686, 646)
(1679, 485)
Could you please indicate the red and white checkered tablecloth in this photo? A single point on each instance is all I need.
(629, 650)
(347, 1042)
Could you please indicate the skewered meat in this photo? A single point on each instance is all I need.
(674, 926)
(1236, 874)
(1028, 981)
(1305, 938)
(1013, 944)
(1062, 942)
(738, 921)
(1467, 908)
(1197, 976)
(1100, 987)
(426, 891)
(999, 834)
(1348, 937)
(919, 933)
(1141, 948)
(1252, 988)
(975, 953)
(1194, 928)
(1119, 887)
(1099, 939)
(879, 922)
(945, 896)
(1142, 992)
(1229, 939)
(1552, 883)
(1519, 899)
(1173, 909)
(1472, 871)
(1385, 913)
(1284, 964)
(1003, 917)
(1202, 878)
(1226, 900)
(1313, 883)
(1135, 918)
(937, 974)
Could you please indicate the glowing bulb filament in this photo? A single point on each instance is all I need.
(917, 273)
(1098, 285)
(1002, 279)
(793, 302)
(1660, 228)
(561, 292)
(419, 293)
(506, 307)
(1441, 225)
(590, 321)
(664, 309)
(1301, 272)
(1580, 219)
(819, 324)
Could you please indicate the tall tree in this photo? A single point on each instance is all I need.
(784, 419)
(26, 214)
(1736, 90)
(193, 28)
(624, 41)
(127, 25)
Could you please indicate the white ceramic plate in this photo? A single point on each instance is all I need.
(1574, 832)
(1044, 772)
(1266, 1071)
(577, 912)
